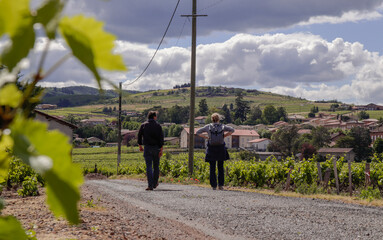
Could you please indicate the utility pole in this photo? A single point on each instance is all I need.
(192, 84)
(119, 128)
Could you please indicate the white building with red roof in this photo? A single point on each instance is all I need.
(260, 144)
(239, 139)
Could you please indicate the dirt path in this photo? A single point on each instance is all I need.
(101, 218)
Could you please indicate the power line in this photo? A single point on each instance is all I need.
(179, 37)
(159, 45)
(211, 5)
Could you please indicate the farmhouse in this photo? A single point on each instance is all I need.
(55, 123)
(46, 106)
(94, 121)
(172, 140)
(347, 153)
(239, 139)
(200, 119)
(260, 144)
(127, 135)
(198, 141)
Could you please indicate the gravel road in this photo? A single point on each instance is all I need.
(245, 215)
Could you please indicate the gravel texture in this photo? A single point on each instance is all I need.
(243, 215)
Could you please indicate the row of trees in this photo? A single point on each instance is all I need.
(287, 141)
(241, 113)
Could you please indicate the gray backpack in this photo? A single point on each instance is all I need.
(216, 135)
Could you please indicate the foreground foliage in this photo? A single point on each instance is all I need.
(46, 152)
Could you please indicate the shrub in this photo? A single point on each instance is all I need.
(370, 194)
(29, 187)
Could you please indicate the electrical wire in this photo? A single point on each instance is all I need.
(159, 45)
(211, 5)
(179, 37)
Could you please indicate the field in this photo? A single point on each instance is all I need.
(106, 157)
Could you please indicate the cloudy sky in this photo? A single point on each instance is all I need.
(304, 48)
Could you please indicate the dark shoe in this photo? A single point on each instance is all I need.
(220, 187)
(149, 189)
(214, 188)
(156, 186)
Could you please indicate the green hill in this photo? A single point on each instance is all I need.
(78, 96)
(82, 98)
(216, 97)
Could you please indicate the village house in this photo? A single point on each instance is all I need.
(347, 153)
(93, 121)
(94, 141)
(375, 134)
(55, 123)
(201, 119)
(368, 107)
(184, 140)
(46, 106)
(127, 135)
(280, 124)
(296, 118)
(172, 140)
(335, 137)
(264, 155)
(260, 145)
(239, 139)
(304, 131)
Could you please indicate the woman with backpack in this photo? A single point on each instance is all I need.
(216, 152)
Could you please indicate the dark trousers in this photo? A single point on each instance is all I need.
(213, 175)
(152, 160)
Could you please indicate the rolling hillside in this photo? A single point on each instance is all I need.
(86, 99)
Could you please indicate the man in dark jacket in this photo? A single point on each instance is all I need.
(151, 136)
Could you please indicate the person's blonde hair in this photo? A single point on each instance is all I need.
(215, 117)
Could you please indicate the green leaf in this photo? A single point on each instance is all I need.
(12, 15)
(16, 21)
(10, 95)
(63, 178)
(6, 144)
(91, 44)
(49, 16)
(11, 229)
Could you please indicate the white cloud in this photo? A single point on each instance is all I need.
(352, 16)
(301, 64)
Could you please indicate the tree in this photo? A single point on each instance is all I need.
(307, 151)
(241, 108)
(203, 108)
(378, 145)
(264, 133)
(226, 113)
(282, 114)
(255, 114)
(320, 137)
(285, 140)
(72, 119)
(362, 141)
(270, 114)
(314, 109)
(363, 115)
(345, 142)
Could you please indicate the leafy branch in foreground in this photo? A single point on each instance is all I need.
(47, 152)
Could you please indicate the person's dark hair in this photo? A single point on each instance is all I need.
(152, 114)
